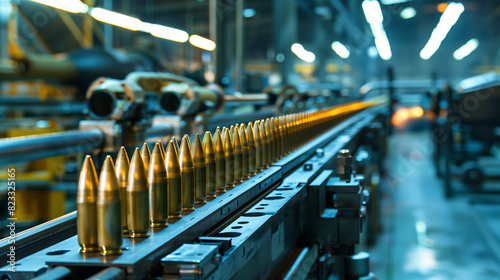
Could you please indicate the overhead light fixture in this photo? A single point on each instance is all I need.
(372, 11)
(340, 49)
(466, 49)
(72, 6)
(408, 12)
(248, 13)
(447, 20)
(165, 32)
(375, 18)
(202, 43)
(390, 2)
(116, 19)
(302, 53)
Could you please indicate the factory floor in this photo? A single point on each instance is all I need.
(424, 235)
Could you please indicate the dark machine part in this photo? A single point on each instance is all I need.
(110, 99)
(250, 232)
(188, 100)
(122, 100)
(468, 134)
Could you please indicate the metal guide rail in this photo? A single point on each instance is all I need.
(258, 236)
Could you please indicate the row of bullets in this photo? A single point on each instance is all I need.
(151, 188)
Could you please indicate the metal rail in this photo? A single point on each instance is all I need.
(28, 148)
(21, 149)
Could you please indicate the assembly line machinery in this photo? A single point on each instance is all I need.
(276, 196)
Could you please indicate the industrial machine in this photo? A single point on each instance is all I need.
(277, 198)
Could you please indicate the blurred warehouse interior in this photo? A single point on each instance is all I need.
(390, 105)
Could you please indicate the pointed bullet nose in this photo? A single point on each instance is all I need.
(88, 176)
(137, 172)
(208, 146)
(218, 145)
(107, 179)
(172, 160)
(186, 158)
(146, 156)
(198, 154)
(122, 165)
(108, 165)
(157, 167)
(176, 144)
(228, 142)
(162, 149)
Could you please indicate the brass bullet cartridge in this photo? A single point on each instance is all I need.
(271, 140)
(109, 211)
(137, 197)
(231, 131)
(146, 156)
(174, 181)
(187, 175)
(282, 130)
(87, 208)
(208, 148)
(121, 170)
(220, 162)
(162, 149)
(238, 156)
(245, 163)
(158, 189)
(229, 154)
(277, 138)
(200, 171)
(176, 145)
(257, 135)
(252, 167)
(265, 144)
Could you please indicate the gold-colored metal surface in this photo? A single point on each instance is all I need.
(220, 162)
(277, 138)
(158, 189)
(238, 156)
(257, 135)
(109, 211)
(245, 163)
(146, 156)
(200, 171)
(187, 175)
(137, 197)
(86, 207)
(162, 149)
(208, 148)
(121, 170)
(265, 144)
(229, 154)
(252, 166)
(174, 182)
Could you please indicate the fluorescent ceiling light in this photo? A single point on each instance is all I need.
(447, 20)
(390, 2)
(340, 49)
(202, 43)
(302, 53)
(375, 18)
(72, 6)
(116, 19)
(408, 13)
(248, 13)
(165, 32)
(466, 49)
(372, 11)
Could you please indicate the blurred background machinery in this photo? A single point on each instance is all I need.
(392, 105)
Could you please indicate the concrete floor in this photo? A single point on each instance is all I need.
(425, 236)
